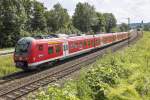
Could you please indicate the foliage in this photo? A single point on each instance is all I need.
(57, 18)
(147, 27)
(7, 65)
(124, 27)
(28, 6)
(38, 22)
(27, 17)
(120, 76)
(84, 17)
(70, 91)
(100, 26)
(115, 29)
(12, 17)
(25, 34)
(110, 21)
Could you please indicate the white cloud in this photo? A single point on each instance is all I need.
(137, 10)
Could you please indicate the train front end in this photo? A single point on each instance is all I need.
(23, 52)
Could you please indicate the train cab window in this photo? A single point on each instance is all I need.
(50, 50)
(40, 47)
(58, 49)
(22, 47)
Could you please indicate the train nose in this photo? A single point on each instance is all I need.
(21, 61)
(20, 64)
(21, 58)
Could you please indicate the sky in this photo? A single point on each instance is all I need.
(136, 10)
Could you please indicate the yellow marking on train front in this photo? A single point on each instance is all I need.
(54, 42)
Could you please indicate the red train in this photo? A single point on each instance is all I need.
(31, 52)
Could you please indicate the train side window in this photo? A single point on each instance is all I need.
(89, 43)
(80, 44)
(84, 43)
(50, 50)
(73, 45)
(66, 47)
(58, 49)
(97, 42)
(92, 43)
(70, 45)
(40, 47)
(76, 45)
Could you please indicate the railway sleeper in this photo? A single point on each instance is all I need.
(34, 86)
(9, 97)
(24, 90)
(28, 88)
(17, 92)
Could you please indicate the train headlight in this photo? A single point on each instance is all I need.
(20, 58)
(26, 58)
(33, 58)
(15, 57)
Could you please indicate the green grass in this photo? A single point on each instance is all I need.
(124, 75)
(2, 49)
(7, 65)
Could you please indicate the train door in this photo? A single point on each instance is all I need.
(40, 52)
(65, 48)
(58, 50)
(102, 40)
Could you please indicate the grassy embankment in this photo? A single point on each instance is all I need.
(2, 49)
(124, 75)
(7, 65)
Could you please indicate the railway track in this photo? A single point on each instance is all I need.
(21, 87)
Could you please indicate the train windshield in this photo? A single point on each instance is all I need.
(22, 47)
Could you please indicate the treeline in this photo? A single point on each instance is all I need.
(20, 18)
(147, 27)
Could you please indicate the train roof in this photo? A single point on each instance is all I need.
(63, 37)
(80, 37)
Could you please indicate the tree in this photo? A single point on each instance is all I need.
(69, 30)
(110, 21)
(123, 27)
(84, 17)
(38, 20)
(28, 6)
(57, 18)
(12, 21)
(100, 26)
(147, 27)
